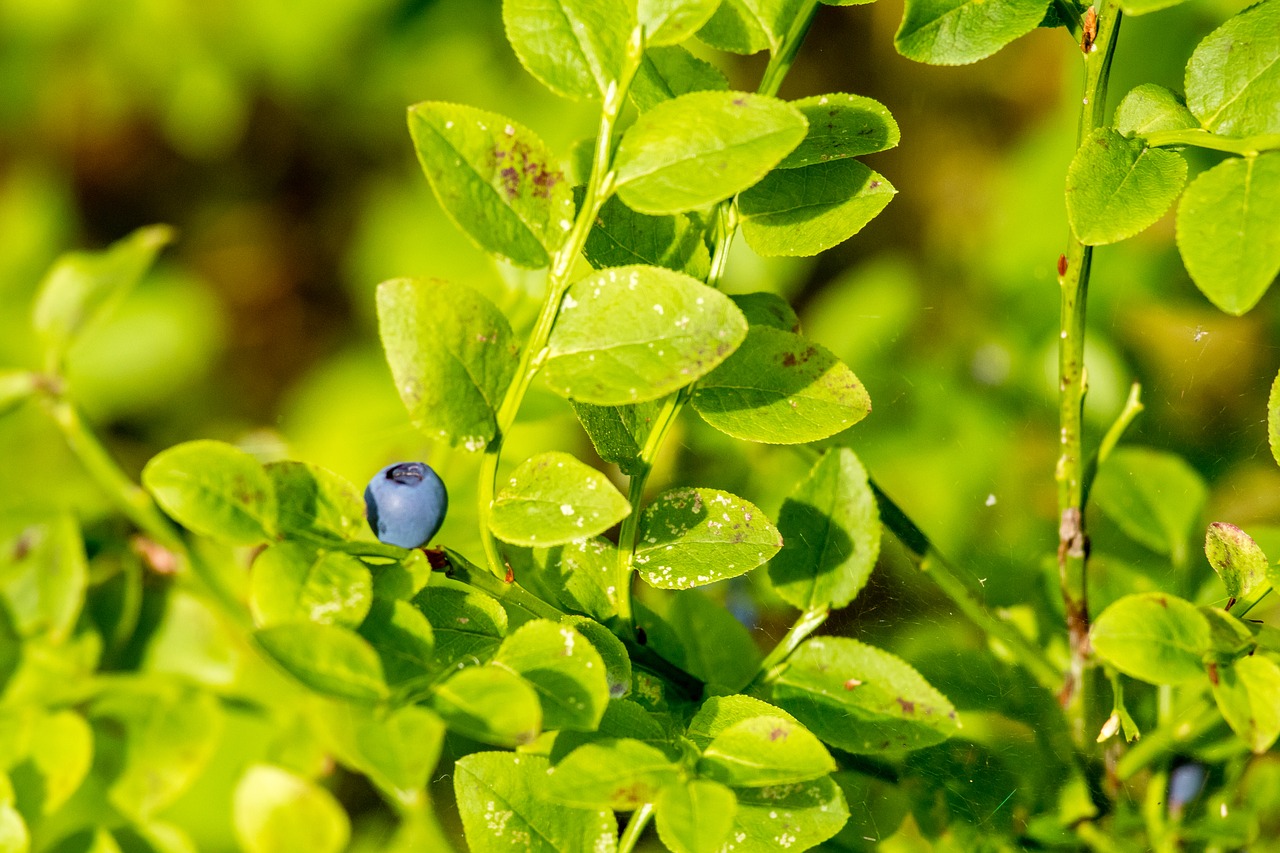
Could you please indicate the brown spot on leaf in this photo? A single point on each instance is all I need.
(852, 683)
(778, 733)
(908, 707)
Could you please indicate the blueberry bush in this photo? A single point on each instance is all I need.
(552, 633)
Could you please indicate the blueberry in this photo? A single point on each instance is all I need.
(406, 503)
(1185, 783)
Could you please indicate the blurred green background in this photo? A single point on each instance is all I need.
(271, 133)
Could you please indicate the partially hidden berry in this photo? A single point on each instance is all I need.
(406, 503)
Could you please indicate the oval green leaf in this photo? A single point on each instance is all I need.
(468, 625)
(490, 704)
(291, 582)
(396, 749)
(315, 502)
(622, 237)
(215, 490)
(1236, 558)
(621, 774)
(799, 212)
(564, 668)
(1150, 107)
(668, 22)
(452, 355)
(551, 499)
(504, 809)
(669, 72)
(830, 527)
(1155, 498)
(326, 658)
(632, 334)
(274, 810)
(957, 32)
(1154, 637)
(814, 812)
(495, 179)
(841, 126)
(575, 48)
(1233, 77)
(694, 537)
(1229, 230)
(404, 641)
(702, 148)
(779, 388)
(1118, 187)
(1248, 695)
(862, 699)
(767, 750)
(696, 816)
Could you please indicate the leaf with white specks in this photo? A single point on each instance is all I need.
(787, 817)
(694, 537)
(551, 499)
(637, 333)
(564, 668)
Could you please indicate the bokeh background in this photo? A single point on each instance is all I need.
(271, 134)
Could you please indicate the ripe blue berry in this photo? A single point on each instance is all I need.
(406, 503)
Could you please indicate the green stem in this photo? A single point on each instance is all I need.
(1165, 739)
(962, 593)
(508, 593)
(1248, 146)
(808, 622)
(599, 188)
(1132, 408)
(1073, 539)
(785, 56)
(635, 828)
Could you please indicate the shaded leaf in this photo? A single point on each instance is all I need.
(313, 501)
(468, 625)
(696, 816)
(767, 309)
(779, 388)
(841, 126)
(694, 537)
(397, 749)
(622, 237)
(1155, 637)
(403, 639)
(575, 576)
(495, 179)
(792, 817)
(632, 334)
(830, 527)
(330, 660)
(703, 638)
(618, 433)
(1248, 695)
(490, 704)
(564, 668)
(452, 355)
(1153, 496)
(552, 498)
(669, 72)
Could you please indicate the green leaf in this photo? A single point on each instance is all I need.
(1236, 558)
(719, 713)
(552, 498)
(82, 287)
(215, 490)
(62, 753)
(779, 388)
(576, 48)
(1118, 187)
(792, 817)
(495, 179)
(1152, 636)
(452, 355)
(799, 212)
(702, 148)
(292, 582)
(1149, 108)
(275, 811)
(43, 578)
(957, 32)
(622, 237)
(504, 809)
(622, 719)
(14, 835)
(618, 433)
(614, 773)
(830, 527)
(490, 704)
(632, 334)
(1153, 496)
(841, 126)
(1142, 7)
(328, 659)
(564, 668)
(403, 639)
(397, 749)
(763, 751)
(862, 699)
(696, 816)
(1229, 230)
(1248, 695)
(703, 638)
(166, 737)
(315, 502)
(669, 72)
(749, 26)
(16, 387)
(1233, 77)
(468, 625)
(694, 537)
(617, 662)
(575, 576)
(672, 21)
(767, 309)
(1273, 419)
